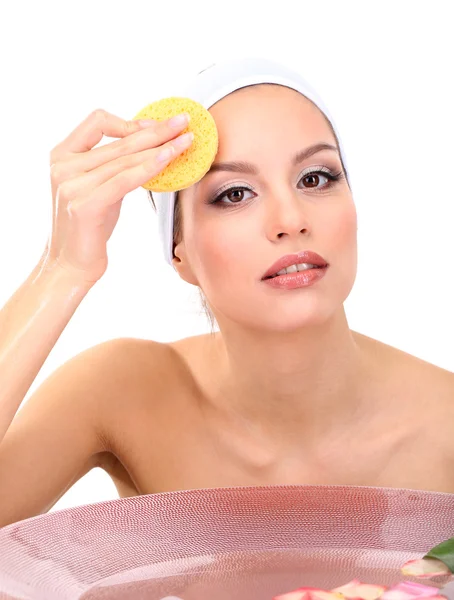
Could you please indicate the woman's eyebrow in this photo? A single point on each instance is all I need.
(246, 167)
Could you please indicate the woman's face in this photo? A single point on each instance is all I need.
(227, 246)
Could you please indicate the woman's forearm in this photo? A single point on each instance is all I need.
(31, 322)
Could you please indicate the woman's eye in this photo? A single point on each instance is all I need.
(312, 180)
(237, 194)
(234, 196)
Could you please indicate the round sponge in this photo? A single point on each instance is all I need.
(192, 164)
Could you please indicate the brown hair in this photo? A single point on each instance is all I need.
(178, 220)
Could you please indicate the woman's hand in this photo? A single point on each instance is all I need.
(88, 185)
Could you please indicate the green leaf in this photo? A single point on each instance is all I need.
(444, 552)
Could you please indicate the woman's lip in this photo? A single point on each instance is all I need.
(297, 279)
(306, 256)
(291, 273)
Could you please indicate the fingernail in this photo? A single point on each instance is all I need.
(179, 120)
(165, 154)
(185, 139)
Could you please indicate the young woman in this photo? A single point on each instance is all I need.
(284, 393)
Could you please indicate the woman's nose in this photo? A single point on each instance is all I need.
(288, 215)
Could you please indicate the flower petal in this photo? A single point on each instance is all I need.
(407, 590)
(364, 591)
(425, 568)
(310, 593)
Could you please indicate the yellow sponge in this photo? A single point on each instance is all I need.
(192, 164)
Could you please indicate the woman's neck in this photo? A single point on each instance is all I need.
(309, 383)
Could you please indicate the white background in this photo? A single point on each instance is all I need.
(383, 69)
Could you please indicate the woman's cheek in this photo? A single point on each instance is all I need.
(343, 247)
(342, 230)
(219, 251)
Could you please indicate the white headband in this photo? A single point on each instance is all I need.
(207, 88)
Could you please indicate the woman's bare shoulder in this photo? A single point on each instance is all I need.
(130, 369)
(409, 371)
(196, 351)
(140, 351)
(144, 358)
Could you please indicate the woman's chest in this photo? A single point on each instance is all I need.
(171, 446)
(186, 455)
